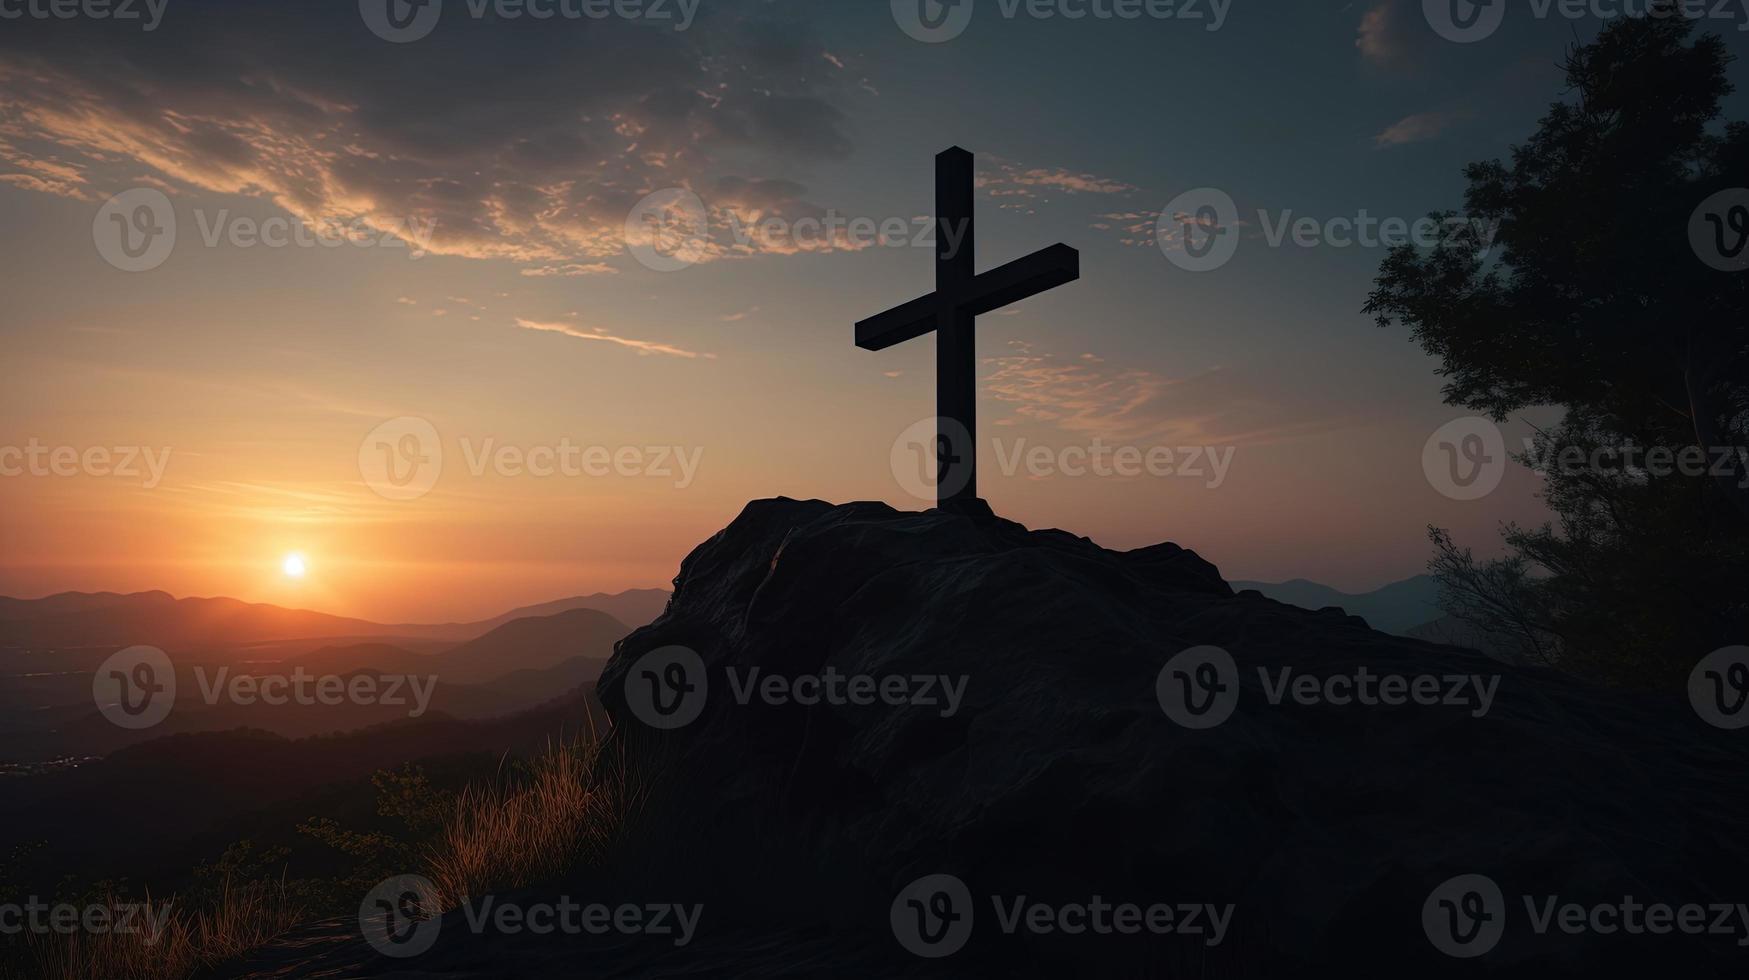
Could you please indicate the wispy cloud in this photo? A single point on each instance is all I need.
(1086, 395)
(1417, 128)
(571, 270)
(1380, 37)
(1001, 178)
(643, 347)
(545, 141)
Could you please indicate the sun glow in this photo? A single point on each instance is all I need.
(294, 566)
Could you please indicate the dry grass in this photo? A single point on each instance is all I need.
(567, 812)
(240, 919)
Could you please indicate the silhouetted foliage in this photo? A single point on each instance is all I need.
(1590, 296)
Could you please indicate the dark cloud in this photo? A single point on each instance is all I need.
(521, 139)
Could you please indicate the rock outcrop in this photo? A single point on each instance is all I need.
(1022, 756)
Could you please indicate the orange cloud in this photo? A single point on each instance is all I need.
(643, 347)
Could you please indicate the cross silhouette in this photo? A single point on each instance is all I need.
(952, 311)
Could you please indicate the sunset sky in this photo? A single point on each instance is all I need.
(522, 146)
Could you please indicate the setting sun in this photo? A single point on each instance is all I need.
(293, 566)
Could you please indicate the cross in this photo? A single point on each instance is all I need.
(952, 310)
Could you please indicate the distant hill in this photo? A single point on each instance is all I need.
(180, 796)
(1397, 608)
(532, 643)
(633, 607)
(77, 619)
(162, 620)
(515, 666)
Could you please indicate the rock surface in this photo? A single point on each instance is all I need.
(1327, 827)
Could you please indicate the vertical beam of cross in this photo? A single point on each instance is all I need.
(951, 312)
(956, 358)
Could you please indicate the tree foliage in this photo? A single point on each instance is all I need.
(1574, 283)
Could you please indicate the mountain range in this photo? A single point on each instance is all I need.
(49, 649)
(79, 619)
(1397, 608)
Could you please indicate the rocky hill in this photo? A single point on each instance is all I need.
(1046, 758)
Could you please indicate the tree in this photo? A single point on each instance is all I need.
(1590, 295)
